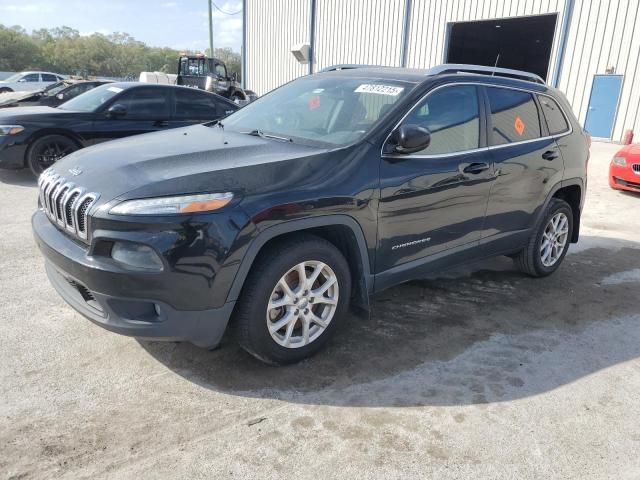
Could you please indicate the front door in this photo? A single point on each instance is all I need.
(435, 200)
(147, 110)
(603, 105)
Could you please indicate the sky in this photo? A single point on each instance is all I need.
(179, 24)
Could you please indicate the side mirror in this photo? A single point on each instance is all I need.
(410, 139)
(234, 76)
(116, 111)
(60, 96)
(22, 80)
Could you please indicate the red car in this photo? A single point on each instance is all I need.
(624, 171)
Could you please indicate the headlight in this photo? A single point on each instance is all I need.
(11, 129)
(173, 205)
(621, 161)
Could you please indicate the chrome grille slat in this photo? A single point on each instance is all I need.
(636, 168)
(66, 204)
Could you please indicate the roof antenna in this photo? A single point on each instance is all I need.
(496, 65)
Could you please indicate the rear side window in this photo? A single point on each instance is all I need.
(47, 77)
(552, 112)
(192, 104)
(514, 116)
(451, 114)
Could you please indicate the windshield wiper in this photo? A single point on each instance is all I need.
(262, 134)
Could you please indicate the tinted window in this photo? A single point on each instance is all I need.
(556, 121)
(220, 70)
(145, 103)
(92, 100)
(194, 105)
(451, 114)
(32, 77)
(514, 116)
(47, 77)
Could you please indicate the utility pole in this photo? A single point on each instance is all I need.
(210, 28)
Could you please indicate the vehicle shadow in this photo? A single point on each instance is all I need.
(478, 335)
(23, 177)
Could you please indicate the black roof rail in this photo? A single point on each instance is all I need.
(483, 70)
(346, 66)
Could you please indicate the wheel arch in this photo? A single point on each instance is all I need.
(571, 191)
(50, 131)
(341, 230)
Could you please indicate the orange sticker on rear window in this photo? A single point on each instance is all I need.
(519, 126)
(314, 102)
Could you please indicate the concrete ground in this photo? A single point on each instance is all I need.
(476, 374)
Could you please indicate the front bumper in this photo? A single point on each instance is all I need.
(624, 178)
(12, 151)
(95, 291)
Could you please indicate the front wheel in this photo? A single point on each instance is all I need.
(47, 150)
(293, 300)
(549, 243)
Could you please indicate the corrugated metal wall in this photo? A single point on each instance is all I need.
(602, 33)
(358, 31)
(273, 27)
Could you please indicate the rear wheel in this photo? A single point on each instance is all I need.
(548, 245)
(293, 300)
(47, 150)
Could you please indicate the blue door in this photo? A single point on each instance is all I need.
(603, 105)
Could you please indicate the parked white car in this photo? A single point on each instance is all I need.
(29, 81)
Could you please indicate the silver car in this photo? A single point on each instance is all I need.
(29, 81)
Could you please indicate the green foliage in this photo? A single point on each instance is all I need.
(65, 51)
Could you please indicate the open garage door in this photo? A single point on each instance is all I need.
(522, 43)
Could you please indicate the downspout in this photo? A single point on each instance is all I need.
(312, 33)
(405, 32)
(562, 46)
(243, 60)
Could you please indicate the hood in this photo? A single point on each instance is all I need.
(12, 97)
(183, 160)
(23, 112)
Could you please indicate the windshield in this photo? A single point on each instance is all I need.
(54, 88)
(328, 109)
(13, 78)
(92, 100)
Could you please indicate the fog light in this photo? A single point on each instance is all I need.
(136, 256)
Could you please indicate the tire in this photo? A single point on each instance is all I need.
(236, 97)
(253, 315)
(535, 258)
(47, 150)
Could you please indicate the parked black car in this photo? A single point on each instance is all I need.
(37, 137)
(331, 188)
(52, 96)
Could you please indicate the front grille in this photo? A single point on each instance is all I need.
(636, 168)
(65, 203)
(626, 183)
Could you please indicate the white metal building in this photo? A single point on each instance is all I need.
(590, 49)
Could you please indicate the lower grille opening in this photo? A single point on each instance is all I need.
(86, 294)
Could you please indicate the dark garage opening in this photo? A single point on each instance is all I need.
(523, 43)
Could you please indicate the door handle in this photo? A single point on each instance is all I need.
(550, 155)
(475, 168)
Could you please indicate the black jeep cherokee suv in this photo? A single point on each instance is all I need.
(330, 188)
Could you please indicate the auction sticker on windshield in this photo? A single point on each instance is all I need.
(115, 89)
(379, 89)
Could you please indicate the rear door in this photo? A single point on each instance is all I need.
(526, 158)
(435, 200)
(147, 110)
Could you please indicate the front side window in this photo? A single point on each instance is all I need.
(145, 103)
(92, 100)
(514, 116)
(221, 71)
(556, 120)
(452, 116)
(32, 77)
(329, 110)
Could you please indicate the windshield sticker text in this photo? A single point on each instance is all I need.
(379, 89)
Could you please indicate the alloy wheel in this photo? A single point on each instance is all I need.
(554, 239)
(302, 304)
